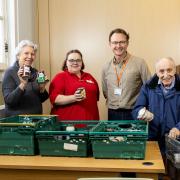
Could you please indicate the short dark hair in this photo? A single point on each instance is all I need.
(120, 31)
(64, 67)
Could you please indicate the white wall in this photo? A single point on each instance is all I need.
(21, 23)
(25, 17)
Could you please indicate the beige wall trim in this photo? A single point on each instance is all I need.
(44, 36)
(44, 43)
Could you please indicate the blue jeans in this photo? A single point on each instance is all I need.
(119, 114)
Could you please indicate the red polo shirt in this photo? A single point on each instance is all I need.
(66, 83)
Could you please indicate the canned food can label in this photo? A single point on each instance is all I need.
(82, 91)
(41, 77)
(26, 71)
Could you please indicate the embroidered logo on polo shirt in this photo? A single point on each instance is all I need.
(90, 81)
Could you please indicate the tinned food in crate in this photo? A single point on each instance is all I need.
(17, 133)
(173, 150)
(125, 139)
(69, 138)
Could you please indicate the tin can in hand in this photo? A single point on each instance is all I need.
(82, 92)
(26, 72)
(41, 77)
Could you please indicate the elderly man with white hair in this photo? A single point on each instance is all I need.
(159, 102)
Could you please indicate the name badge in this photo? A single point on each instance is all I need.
(117, 91)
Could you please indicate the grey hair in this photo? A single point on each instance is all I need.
(24, 43)
(168, 58)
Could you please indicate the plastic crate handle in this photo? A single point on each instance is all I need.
(24, 130)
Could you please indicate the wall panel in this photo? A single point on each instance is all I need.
(153, 26)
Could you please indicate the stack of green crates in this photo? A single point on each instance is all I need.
(125, 139)
(62, 142)
(17, 133)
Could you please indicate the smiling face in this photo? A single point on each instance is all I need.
(26, 56)
(165, 70)
(118, 43)
(74, 63)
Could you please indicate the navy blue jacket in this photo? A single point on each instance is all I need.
(166, 108)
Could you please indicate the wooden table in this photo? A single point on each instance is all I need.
(70, 168)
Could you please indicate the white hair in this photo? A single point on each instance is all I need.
(165, 58)
(24, 43)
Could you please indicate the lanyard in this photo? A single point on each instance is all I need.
(121, 72)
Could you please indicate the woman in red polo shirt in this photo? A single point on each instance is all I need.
(73, 92)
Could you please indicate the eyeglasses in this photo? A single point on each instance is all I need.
(119, 42)
(75, 60)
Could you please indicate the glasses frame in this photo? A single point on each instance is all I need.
(121, 43)
(71, 61)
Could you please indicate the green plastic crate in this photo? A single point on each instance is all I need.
(17, 133)
(60, 142)
(124, 139)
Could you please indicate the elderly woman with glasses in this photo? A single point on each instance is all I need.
(22, 93)
(73, 92)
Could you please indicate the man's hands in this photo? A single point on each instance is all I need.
(145, 115)
(174, 133)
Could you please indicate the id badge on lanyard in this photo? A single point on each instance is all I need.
(117, 91)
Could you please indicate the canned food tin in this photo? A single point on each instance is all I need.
(26, 72)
